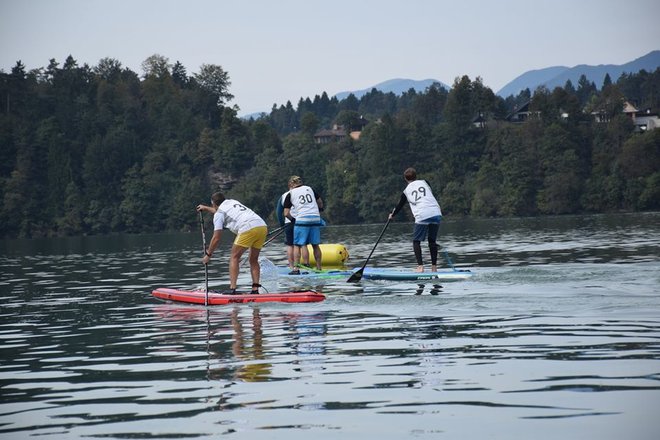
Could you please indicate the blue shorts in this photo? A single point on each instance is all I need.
(303, 235)
(430, 227)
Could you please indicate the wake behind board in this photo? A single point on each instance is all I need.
(380, 273)
(217, 298)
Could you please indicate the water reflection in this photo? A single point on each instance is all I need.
(433, 289)
(558, 332)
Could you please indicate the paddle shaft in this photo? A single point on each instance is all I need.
(357, 276)
(206, 266)
(281, 228)
(448, 259)
(277, 233)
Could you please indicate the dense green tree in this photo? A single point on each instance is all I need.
(235, 153)
(214, 80)
(560, 169)
(97, 150)
(344, 188)
(309, 123)
(585, 90)
(488, 191)
(640, 164)
(348, 119)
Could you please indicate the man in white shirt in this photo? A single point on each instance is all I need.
(304, 205)
(288, 233)
(250, 230)
(427, 213)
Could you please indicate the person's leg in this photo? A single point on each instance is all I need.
(296, 258)
(288, 240)
(318, 255)
(234, 261)
(298, 243)
(315, 240)
(433, 245)
(255, 269)
(419, 235)
(303, 240)
(289, 257)
(304, 254)
(417, 249)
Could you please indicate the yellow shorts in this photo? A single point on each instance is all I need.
(253, 238)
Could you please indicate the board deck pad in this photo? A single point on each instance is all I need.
(219, 298)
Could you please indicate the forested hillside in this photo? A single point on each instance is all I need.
(90, 150)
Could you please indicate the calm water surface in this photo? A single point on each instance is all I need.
(557, 336)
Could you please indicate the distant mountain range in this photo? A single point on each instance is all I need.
(557, 76)
(549, 77)
(397, 86)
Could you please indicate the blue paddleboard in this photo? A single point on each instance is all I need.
(383, 273)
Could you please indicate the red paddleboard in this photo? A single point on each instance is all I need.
(217, 298)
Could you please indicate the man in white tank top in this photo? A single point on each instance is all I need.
(427, 213)
(288, 232)
(250, 230)
(304, 205)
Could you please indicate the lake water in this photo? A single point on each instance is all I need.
(556, 336)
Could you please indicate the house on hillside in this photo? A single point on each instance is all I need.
(339, 132)
(335, 134)
(479, 121)
(645, 120)
(521, 114)
(642, 120)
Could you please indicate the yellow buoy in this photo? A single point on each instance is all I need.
(333, 255)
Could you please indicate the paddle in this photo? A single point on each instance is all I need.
(206, 266)
(449, 262)
(277, 233)
(452, 264)
(281, 228)
(357, 276)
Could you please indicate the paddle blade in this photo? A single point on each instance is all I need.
(357, 276)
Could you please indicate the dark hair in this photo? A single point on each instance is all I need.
(217, 198)
(410, 174)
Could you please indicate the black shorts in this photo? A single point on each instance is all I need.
(288, 234)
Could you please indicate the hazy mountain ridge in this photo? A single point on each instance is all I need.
(530, 78)
(397, 86)
(550, 77)
(596, 74)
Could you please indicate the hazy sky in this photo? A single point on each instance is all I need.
(280, 50)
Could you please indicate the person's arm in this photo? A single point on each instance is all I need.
(215, 241)
(287, 207)
(399, 206)
(206, 208)
(319, 200)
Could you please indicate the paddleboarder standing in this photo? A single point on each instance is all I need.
(250, 230)
(304, 205)
(427, 213)
(288, 233)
